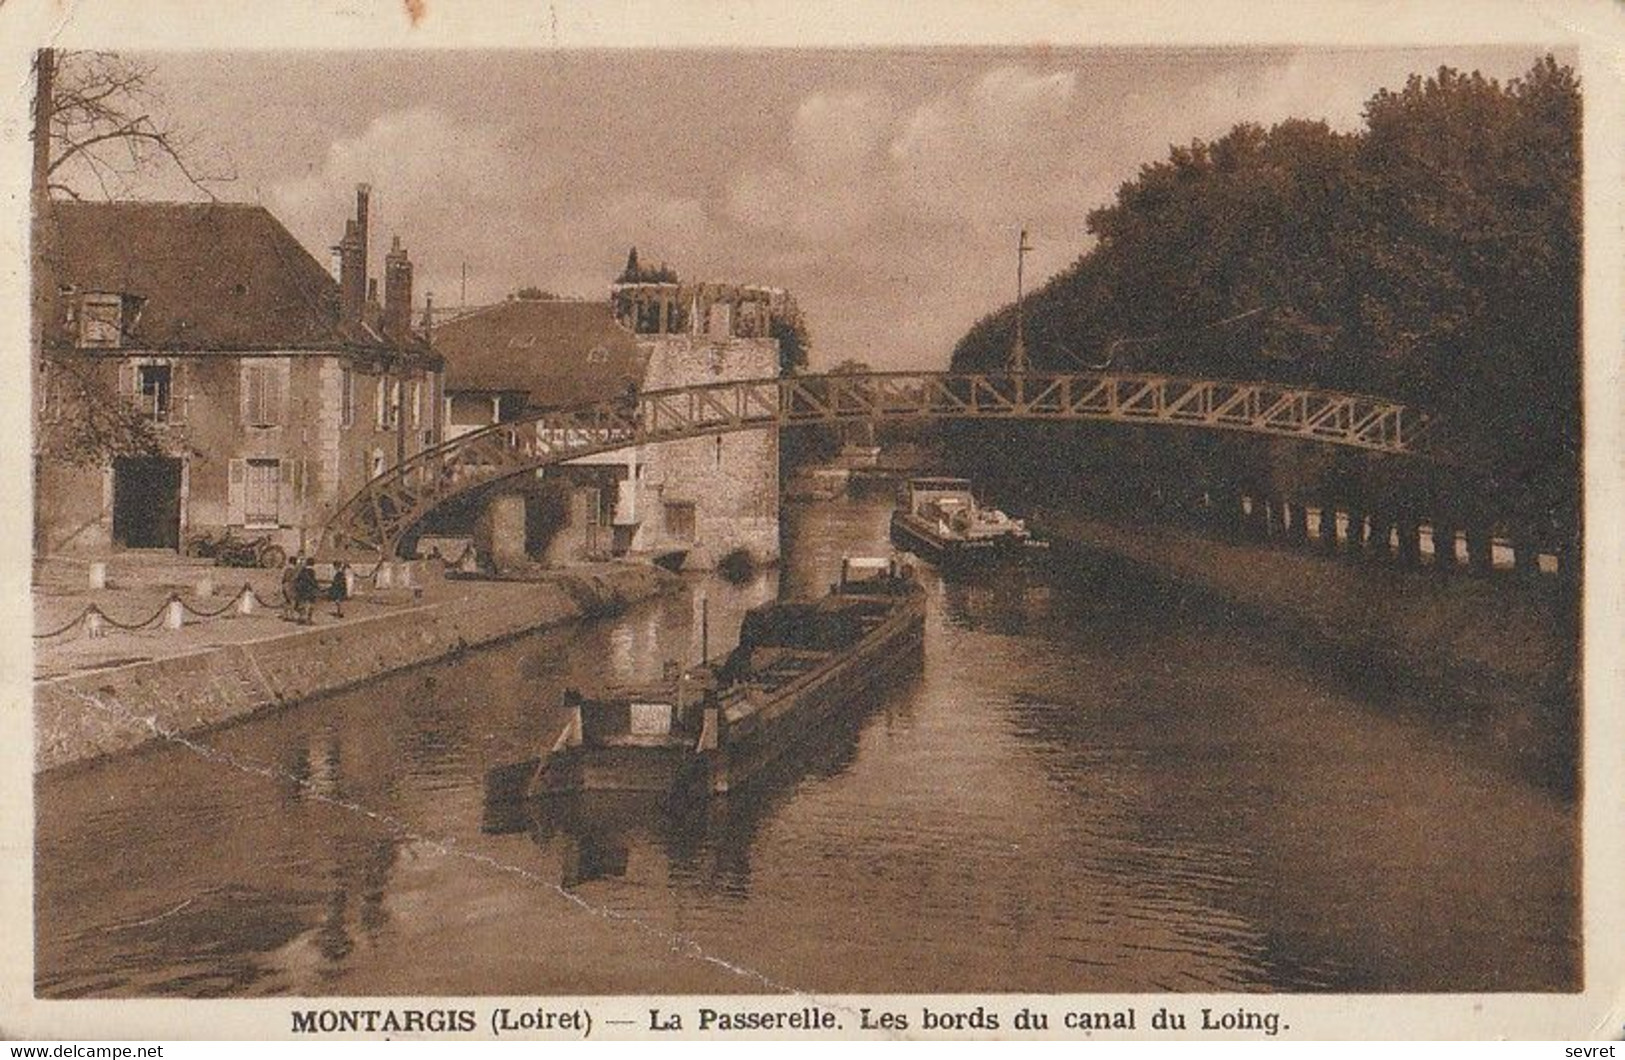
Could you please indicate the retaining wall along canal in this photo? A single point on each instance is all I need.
(88, 715)
(1492, 659)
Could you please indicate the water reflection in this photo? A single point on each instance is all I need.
(706, 841)
(1092, 785)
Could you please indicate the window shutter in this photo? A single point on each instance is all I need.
(179, 393)
(235, 489)
(253, 393)
(126, 383)
(382, 399)
(275, 386)
(288, 496)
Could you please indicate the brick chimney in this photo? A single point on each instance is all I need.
(352, 274)
(352, 251)
(397, 290)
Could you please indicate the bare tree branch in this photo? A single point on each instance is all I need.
(106, 99)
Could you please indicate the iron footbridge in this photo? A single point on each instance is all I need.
(384, 511)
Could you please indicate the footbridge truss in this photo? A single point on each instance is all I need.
(385, 510)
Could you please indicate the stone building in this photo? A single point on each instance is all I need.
(265, 391)
(699, 499)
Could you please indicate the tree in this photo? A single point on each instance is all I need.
(105, 128)
(95, 127)
(1433, 256)
(795, 341)
(636, 273)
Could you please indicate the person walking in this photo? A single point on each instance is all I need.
(290, 572)
(339, 590)
(305, 592)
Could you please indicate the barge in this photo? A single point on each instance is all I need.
(710, 728)
(939, 520)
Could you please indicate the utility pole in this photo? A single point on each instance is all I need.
(1018, 352)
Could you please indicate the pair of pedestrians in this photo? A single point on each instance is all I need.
(301, 590)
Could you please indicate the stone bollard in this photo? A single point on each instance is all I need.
(1326, 532)
(1354, 535)
(1378, 541)
(205, 587)
(349, 582)
(174, 615)
(94, 627)
(1525, 555)
(1480, 549)
(1275, 518)
(1444, 545)
(245, 602)
(408, 580)
(382, 577)
(1297, 527)
(98, 575)
(1410, 541)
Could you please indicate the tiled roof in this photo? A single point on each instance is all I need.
(210, 276)
(558, 352)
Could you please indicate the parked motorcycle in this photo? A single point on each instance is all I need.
(230, 550)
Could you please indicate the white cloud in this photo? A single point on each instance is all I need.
(427, 173)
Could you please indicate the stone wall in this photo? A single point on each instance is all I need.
(732, 480)
(87, 716)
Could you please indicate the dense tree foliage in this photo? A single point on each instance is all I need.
(1433, 256)
(795, 342)
(533, 293)
(639, 273)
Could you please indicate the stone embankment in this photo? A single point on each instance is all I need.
(1491, 658)
(92, 712)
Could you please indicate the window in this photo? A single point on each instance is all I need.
(262, 494)
(346, 397)
(377, 463)
(101, 320)
(680, 520)
(417, 409)
(262, 395)
(389, 402)
(154, 391)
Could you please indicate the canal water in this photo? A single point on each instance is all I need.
(1088, 788)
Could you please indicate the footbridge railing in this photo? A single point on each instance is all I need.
(386, 509)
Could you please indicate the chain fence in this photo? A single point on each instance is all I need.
(96, 617)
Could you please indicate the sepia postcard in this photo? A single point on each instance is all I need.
(714, 520)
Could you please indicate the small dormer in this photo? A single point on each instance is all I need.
(105, 318)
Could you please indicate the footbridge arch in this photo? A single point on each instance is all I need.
(384, 511)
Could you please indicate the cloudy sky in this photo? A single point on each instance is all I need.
(885, 189)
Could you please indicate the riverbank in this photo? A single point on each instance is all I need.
(1491, 659)
(100, 696)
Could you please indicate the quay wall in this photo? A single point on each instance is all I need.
(86, 716)
(1493, 660)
